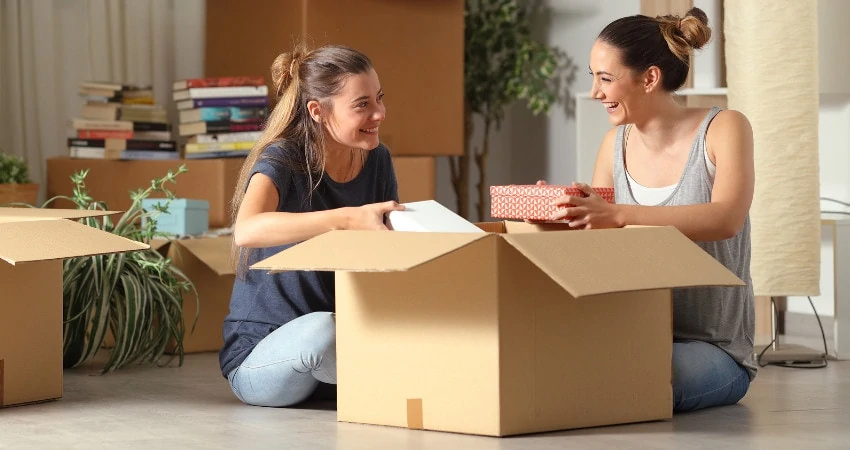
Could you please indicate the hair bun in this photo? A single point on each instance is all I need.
(694, 28)
(684, 34)
(285, 70)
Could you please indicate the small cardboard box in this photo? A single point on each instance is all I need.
(533, 202)
(505, 333)
(206, 262)
(33, 243)
(185, 217)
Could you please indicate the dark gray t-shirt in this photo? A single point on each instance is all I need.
(262, 302)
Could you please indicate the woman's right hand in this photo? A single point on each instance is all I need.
(371, 216)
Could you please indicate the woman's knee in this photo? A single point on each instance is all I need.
(270, 393)
(704, 376)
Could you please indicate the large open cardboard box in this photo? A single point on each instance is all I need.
(33, 243)
(505, 333)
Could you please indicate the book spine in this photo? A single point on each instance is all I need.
(230, 91)
(225, 81)
(151, 126)
(105, 134)
(226, 137)
(218, 154)
(219, 146)
(230, 127)
(233, 101)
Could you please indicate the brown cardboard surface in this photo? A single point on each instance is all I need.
(435, 337)
(111, 181)
(619, 260)
(205, 261)
(367, 251)
(31, 308)
(31, 331)
(36, 241)
(420, 66)
(21, 214)
(485, 335)
(568, 362)
(417, 178)
(213, 252)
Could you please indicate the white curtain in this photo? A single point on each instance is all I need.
(48, 47)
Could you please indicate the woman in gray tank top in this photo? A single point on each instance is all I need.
(691, 168)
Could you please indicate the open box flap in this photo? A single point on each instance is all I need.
(44, 240)
(214, 252)
(591, 262)
(367, 251)
(30, 214)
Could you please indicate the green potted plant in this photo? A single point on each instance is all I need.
(137, 296)
(16, 189)
(503, 62)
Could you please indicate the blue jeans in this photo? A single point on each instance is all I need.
(705, 376)
(286, 367)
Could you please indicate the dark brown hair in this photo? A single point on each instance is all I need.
(298, 77)
(662, 41)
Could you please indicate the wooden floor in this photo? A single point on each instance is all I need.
(192, 407)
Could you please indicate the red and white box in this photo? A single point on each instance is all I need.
(533, 202)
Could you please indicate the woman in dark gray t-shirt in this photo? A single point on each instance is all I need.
(318, 166)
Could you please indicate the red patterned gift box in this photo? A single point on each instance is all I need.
(532, 202)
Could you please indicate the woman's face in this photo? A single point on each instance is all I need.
(357, 112)
(614, 84)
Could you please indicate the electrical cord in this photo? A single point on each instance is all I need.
(827, 199)
(797, 365)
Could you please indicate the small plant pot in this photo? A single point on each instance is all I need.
(19, 193)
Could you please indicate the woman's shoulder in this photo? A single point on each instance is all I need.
(382, 151)
(278, 148)
(729, 121)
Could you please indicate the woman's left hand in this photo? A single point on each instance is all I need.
(591, 212)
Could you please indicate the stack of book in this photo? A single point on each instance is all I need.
(121, 121)
(221, 117)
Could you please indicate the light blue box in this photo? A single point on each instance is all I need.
(184, 217)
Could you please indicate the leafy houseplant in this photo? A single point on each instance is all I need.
(15, 185)
(503, 63)
(137, 296)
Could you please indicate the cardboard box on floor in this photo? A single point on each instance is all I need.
(33, 243)
(505, 333)
(206, 262)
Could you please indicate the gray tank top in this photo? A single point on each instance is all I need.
(723, 316)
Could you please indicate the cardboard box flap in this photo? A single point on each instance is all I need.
(214, 252)
(58, 239)
(367, 251)
(604, 261)
(30, 214)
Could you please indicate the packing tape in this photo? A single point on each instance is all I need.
(414, 413)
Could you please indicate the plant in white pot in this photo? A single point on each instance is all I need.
(16, 188)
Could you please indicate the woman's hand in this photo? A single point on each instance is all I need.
(371, 216)
(591, 212)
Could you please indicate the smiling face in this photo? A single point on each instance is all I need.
(622, 92)
(356, 112)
